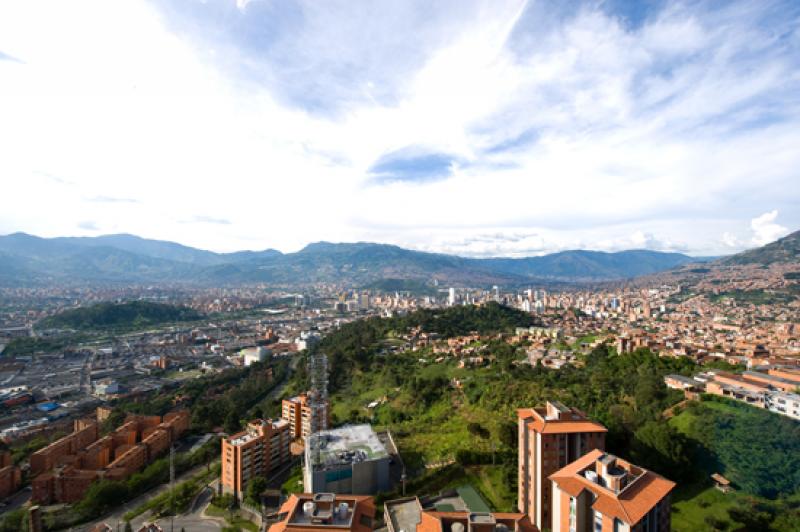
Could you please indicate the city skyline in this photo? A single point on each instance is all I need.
(502, 129)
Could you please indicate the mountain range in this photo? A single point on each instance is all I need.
(123, 258)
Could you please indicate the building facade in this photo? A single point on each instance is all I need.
(549, 439)
(66, 468)
(262, 448)
(602, 493)
(304, 416)
(349, 459)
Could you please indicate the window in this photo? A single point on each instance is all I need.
(598, 522)
(572, 514)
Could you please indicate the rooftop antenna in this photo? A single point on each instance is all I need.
(318, 398)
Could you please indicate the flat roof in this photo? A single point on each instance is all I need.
(345, 445)
(405, 514)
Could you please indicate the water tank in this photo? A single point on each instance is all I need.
(308, 508)
(501, 527)
(456, 527)
(343, 510)
(591, 475)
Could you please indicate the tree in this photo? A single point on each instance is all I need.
(254, 490)
(128, 527)
(658, 446)
(232, 422)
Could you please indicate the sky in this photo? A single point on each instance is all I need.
(497, 128)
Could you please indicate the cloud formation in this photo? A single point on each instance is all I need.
(599, 125)
(765, 229)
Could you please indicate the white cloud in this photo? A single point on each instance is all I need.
(577, 132)
(765, 229)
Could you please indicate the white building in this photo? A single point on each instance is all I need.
(786, 404)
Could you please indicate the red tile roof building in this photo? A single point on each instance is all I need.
(550, 438)
(326, 512)
(602, 493)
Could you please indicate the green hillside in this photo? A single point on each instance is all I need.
(132, 314)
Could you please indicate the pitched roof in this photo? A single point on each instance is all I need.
(629, 505)
(539, 423)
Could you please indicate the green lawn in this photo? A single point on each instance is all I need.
(692, 504)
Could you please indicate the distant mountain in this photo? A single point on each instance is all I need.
(26, 259)
(783, 250)
(590, 265)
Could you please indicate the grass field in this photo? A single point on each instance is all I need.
(693, 504)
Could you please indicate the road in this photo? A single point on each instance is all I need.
(116, 516)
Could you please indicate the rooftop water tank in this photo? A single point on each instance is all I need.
(308, 508)
(456, 527)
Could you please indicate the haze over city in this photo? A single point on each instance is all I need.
(474, 128)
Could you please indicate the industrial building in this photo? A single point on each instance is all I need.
(349, 459)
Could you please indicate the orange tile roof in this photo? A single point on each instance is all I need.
(554, 426)
(364, 504)
(431, 521)
(630, 505)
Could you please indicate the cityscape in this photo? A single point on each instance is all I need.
(460, 266)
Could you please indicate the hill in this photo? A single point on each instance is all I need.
(133, 314)
(27, 259)
(783, 250)
(591, 265)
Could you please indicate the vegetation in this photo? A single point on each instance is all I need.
(103, 496)
(456, 426)
(30, 345)
(414, 286)
(129, 315)
(757, 450)
(472, 425)
(176, 500)
(756, 297)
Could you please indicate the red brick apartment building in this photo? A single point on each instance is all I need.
(326, 512)
(10, 475)
(258, 450)
(66, 468)
(549, 439)
(602, 493)
(303, 417)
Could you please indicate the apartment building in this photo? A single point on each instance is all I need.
(10, 475)
(304, 417)
(787, 404)
(326, 512)
(263, 447)
(602, 493)
(66, 468)
(550, 438)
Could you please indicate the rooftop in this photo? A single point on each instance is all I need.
(345, 445)
(558, 419)
(619, 488)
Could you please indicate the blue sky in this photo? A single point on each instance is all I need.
(478, 128)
